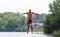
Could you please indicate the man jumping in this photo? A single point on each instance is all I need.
(29, 23)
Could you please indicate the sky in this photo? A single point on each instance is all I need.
(22, 6)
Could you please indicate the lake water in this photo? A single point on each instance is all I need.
(24, 34)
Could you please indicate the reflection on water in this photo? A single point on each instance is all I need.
(49, 35)
(24, 34)
(45, 35)
(57, 36)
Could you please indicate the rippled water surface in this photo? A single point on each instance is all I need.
(24, 34)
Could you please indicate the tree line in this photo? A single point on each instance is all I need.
(10, 21)
(52, 22)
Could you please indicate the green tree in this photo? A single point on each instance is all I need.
(52, 22)
(10, 21)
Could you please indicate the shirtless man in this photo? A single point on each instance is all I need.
(29, 23)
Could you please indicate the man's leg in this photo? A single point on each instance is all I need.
(31, 28)
(27, 29)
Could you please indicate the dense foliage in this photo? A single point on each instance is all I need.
(52, 22)
(10, 21)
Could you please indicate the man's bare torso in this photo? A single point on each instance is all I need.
(29, 14)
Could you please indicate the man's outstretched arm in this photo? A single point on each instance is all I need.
(35, 13)
(24, 13)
